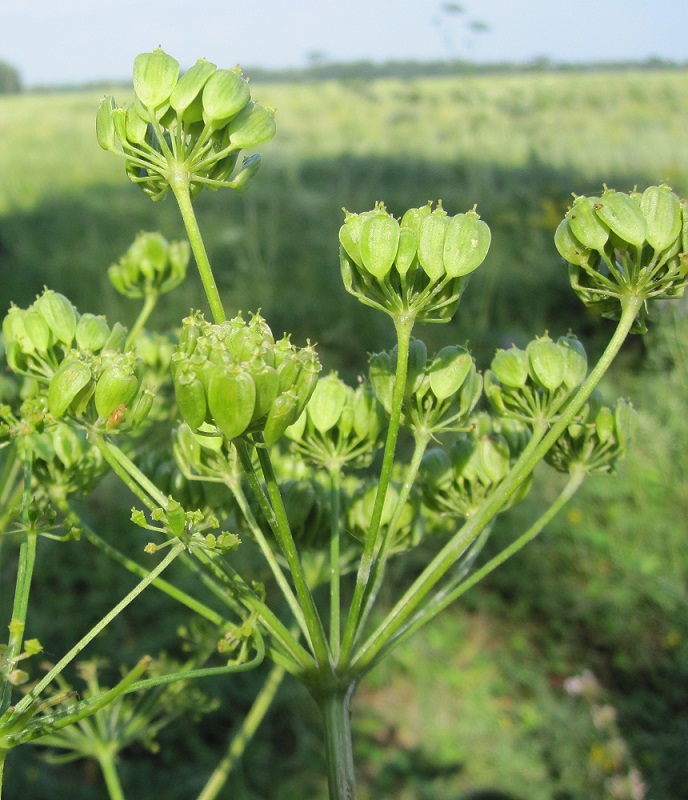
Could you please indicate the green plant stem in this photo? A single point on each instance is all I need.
(285, 539)
(406, 607)
(175, 550)
(180, 187)
(336, 715)
(243, 736)
(404, 326)
(107, 758)
(335, 577)
(268, 554)
(137, 483)
(25, 567)
(422, 438)
(298, 660)
(149, 303)
(458, 587)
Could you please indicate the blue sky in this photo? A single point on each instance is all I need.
(72, 41)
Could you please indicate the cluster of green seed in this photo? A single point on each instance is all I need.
(151, 265)
(236, 377)
(418, 265)
(617, 243)
(188, 129)
(80, 359)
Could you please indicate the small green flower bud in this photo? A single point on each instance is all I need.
(433, 232)
(378, 244)
(623, 216)
(662, 211)
(327, 403)
(116, 386)
(91, 333)
(155, 76)
(586, 225)
(449, 370)
(511, 367)
(231, 399)
(252, 126)
(71, 379)
(189, 87)
(466, 244)
(547, 363)
(60, 315)
(224, 95)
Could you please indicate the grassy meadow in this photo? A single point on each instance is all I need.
(605, 588)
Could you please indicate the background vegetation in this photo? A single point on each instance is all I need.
(605, 588)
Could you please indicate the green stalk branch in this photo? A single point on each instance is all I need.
(26, 701)
(459, 586)
(532, 455)
(243, 735)
(180, 187)
(404, 326)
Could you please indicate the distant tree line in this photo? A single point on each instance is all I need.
(9, 79)
(369, 70)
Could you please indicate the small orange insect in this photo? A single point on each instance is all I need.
(116, 417)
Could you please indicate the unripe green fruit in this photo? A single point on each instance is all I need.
(406, 250)
(436, 468)
(511, 367)
(249, 168)
(252, 126)
(417, 362)
(449, 370)
(493, 453)
(105, 124)
(91, 333)
(231, 399)
(327, 403)
(585, 224)
(570, 249)
(431, 239)
(191, 400)
(116, 386)
(267, 385)
(38, 330)
(623, 216)
(60, 315)
(155, 76)
(378, 244)
(225, 93)
(662, 211)
(70, 379)
(576, 360)
(466, 244)
(189, 87)
(547, 363)
(381, 371)
(281, 415)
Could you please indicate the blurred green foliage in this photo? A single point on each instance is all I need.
(604, 588)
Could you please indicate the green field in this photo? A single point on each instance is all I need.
(605, 589)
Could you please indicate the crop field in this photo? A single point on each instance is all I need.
(604, 589)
